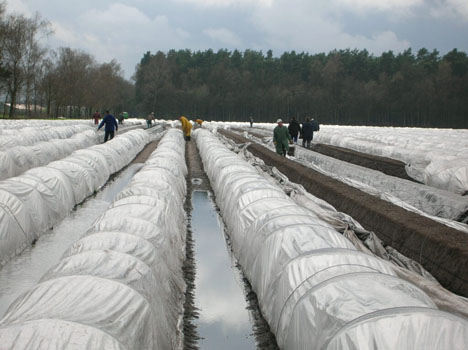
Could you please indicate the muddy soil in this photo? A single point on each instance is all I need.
(146, 152)
(191, 313)
(385, 165)
(198, 180)
(442, 251)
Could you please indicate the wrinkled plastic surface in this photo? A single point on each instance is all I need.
(56, 335)
(311, 282)
(26, 147)
(443, 331)
(368, 242)
(121, 285)
(14, 133)
(435, 156)
(35, 200)
(430, 200)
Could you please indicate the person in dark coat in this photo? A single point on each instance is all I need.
(307, 133)
(96, 117)
(121, 118)
(111, 125)
(294, 129)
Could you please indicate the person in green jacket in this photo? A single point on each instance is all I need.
(281, 138)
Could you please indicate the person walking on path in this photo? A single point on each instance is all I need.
(120, 118)
(186, 127)
(251, 121)
(315, 126)
(149, 120)
(281, 138)
(111, 125)
(294, 129)
(307, 133)
(96, 117)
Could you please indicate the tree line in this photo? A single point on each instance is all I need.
(342, 87)
(53, 83)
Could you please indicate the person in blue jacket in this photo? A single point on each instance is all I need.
(111, 125)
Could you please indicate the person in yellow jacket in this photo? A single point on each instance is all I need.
(186, 127)
(198, 122)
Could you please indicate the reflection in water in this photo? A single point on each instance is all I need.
(224, 320)
(117, 184)
(23, 272)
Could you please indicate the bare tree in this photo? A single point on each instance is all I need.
(21, 52)
(73, 76)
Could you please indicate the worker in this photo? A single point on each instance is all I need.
(111, 125)
(186, 127)
(149, 120)
(281, 138)
(96, 117)
(198, 122)
(294, 129)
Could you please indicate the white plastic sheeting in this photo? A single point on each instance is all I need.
(30, 132)
(441, 205)
(34, 201)
(432, 201)
(435, 156)
(312, 284)
(121, 285)
(27, 149)
(18, 159)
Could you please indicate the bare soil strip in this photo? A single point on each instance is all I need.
(146, 152)
(443, 251)
(385, 165)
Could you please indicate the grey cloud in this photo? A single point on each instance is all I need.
(126, 29)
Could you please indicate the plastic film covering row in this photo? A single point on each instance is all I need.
(410, 195)
(121, 285)
(315, 289)
(29, 132)
(23, 132)
(34, 201)
(44, 146)
(430, 200)
(18, 159)
(436, 157)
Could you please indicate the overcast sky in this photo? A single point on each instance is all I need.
(126, 29)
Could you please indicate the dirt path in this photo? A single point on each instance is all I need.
(197, 176)
(443, 251)
(146, 152)
(385, 165)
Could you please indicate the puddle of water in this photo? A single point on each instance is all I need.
(223, 321)
(24, 271)
(109, 192)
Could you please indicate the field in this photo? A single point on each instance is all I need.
(121, 244)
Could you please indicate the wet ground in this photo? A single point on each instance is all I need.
(223, 322)
(221, 309)
(23, 272)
